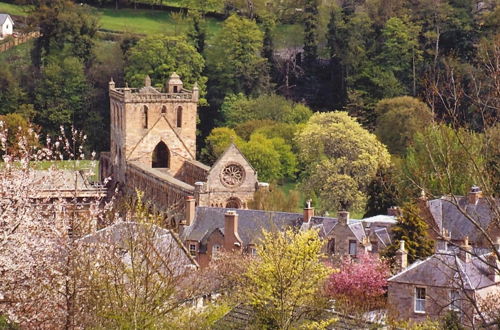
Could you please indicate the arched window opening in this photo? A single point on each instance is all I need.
(145, 117)
(161, 156)
(175, 89)
(179, 117)
(233, 203)
(163, 109)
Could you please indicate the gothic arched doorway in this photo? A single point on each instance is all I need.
(233, 203)
(161, 156)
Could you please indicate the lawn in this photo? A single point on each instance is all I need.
(75, 165)
(13, 9)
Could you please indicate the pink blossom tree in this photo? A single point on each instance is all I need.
(359, 284)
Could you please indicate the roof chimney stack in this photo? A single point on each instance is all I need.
(308, 211)
(343, 217)
(401, 256)
(465, 251)
(394, 211)
(474, 194)
(232, 240)
(442, 241)
(189, 210)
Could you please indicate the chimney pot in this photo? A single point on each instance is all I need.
(401, 256)
(465, 251)
(474, 194)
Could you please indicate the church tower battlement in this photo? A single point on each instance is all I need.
(156, 128)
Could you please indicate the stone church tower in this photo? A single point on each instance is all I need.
(153, 149)
(153, 128)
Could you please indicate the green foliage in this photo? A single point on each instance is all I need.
(451, 321)
(275, 199)
(238, 109)
(272, 158)
(61, 94)
(18, 129)
(197, 33)
(217, 142)
(443, 160)
(64, 25)
(159, 57)
(310, 32)
(399, 119)
(11, 94)
(235, 60)
(341, 159)
(412, 229)
(382, 193)
(5, 324)
(284, 285)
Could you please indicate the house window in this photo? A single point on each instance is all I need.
(352, 247)
(215, 251)
(331, 246)
(192, 249)
(419, 300)
(455, 300)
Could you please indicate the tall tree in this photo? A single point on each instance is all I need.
(285, 282)
(412, 229)
(61, 94)
(235, 61)
(382, 193)
(341, 159)
(310, 33)
(63, 23)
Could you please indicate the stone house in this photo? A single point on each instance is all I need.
(450, 280)
(6, 25)
(206, 230)
(462, 217)
(153, 149)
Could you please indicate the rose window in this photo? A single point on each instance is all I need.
(232, 175)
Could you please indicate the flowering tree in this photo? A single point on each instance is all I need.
(359, 284)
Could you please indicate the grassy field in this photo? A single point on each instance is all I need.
(148, 22)
(74, 165)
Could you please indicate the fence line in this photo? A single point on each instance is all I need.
(18, 40)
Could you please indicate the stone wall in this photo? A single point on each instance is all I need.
(166, 193)
(192, 172)
(342, 234)
(401, 299)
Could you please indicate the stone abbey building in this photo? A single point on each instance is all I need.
(153, 149)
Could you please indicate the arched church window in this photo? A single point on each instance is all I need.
(233, 203)
(161, 156)
(175, 89)
(179, 117)
(163, 109)
(145, 117)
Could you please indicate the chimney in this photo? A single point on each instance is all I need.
(111, 84)
(442, 241)
(401, 256)
(196, 92)
(474, 194)
(465, 251)
(308, 211)
(343, 217)
(189, 210)
(394, 211)
(493, 267)
(232, 240)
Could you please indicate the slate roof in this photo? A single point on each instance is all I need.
(250, 223)
(448, 216)
(3, 18)
(327, 224)
(446, 269)
(165, 241)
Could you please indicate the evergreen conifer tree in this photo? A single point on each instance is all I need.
(382, 193)
(310, 32)
(412, 229)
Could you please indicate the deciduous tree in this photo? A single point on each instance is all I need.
(341, 159)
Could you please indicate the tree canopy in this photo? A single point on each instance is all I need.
(341, 159)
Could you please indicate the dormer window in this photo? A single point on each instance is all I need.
(192, 249)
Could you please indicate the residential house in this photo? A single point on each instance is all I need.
(462, 217)
(452, 279)
(6, 25)
(207, 230)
